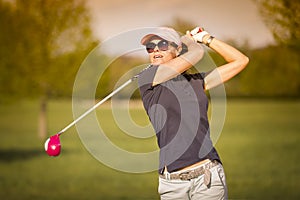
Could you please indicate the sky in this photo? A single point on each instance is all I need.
(237, 20)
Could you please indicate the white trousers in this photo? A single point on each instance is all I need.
(195, 188)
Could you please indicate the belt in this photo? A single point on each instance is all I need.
(190, 174)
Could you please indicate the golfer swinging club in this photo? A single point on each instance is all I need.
(176, 104)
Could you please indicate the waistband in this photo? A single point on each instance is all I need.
(186, 175)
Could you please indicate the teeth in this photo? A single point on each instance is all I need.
(158, 56)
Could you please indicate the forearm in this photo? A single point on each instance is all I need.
(195, 51)
(188, 59)
(229, 53)
(236, 62)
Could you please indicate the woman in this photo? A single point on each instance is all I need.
(176, 103)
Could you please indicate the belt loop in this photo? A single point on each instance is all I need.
(208, 165)
(168, 175)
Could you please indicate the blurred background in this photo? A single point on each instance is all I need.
(44, 42)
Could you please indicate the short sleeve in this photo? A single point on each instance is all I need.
(145, 79)
(200, 75)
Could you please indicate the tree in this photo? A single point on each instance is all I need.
(283, 19)
(49, 38)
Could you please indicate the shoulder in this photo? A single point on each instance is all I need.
(147, 75)
(145, 78)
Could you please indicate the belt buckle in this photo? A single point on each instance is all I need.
(184, 176)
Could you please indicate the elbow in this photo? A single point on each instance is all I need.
(243, 61)
(246, 60)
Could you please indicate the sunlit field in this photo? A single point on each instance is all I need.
(259, 147)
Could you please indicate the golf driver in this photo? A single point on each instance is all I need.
(53, 145)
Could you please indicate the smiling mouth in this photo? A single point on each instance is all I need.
(157, 56)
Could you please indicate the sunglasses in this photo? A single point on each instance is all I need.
(162, 45)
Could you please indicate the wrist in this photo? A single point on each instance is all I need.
(208, 40)
(205, 38)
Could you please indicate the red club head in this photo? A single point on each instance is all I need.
(52, 145)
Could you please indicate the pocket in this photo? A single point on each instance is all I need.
(221, 174)
(163, 186)
(160, 186)
(173, 189)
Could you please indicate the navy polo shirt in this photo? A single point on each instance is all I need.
(177, 110)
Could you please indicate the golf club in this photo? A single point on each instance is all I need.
(53, 146)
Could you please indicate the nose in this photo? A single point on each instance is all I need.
(156, 49)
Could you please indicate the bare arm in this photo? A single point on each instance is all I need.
(236, 63)
(176, 66)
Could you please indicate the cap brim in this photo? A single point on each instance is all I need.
(165, 33)
(146, 38)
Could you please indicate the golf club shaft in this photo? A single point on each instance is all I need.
(98, 104)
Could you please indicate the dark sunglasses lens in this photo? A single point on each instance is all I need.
(150, 47)
(163, 45)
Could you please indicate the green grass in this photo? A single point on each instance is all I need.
(259, 147)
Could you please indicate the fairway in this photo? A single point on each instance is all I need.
(259, 147)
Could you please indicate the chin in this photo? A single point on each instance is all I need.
(157, 62)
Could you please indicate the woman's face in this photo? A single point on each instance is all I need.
(160, 56)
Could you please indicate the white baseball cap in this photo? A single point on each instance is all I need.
(165, 33)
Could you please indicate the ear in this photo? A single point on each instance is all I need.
(178, 52)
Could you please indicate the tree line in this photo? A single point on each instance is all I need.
(43, 43)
